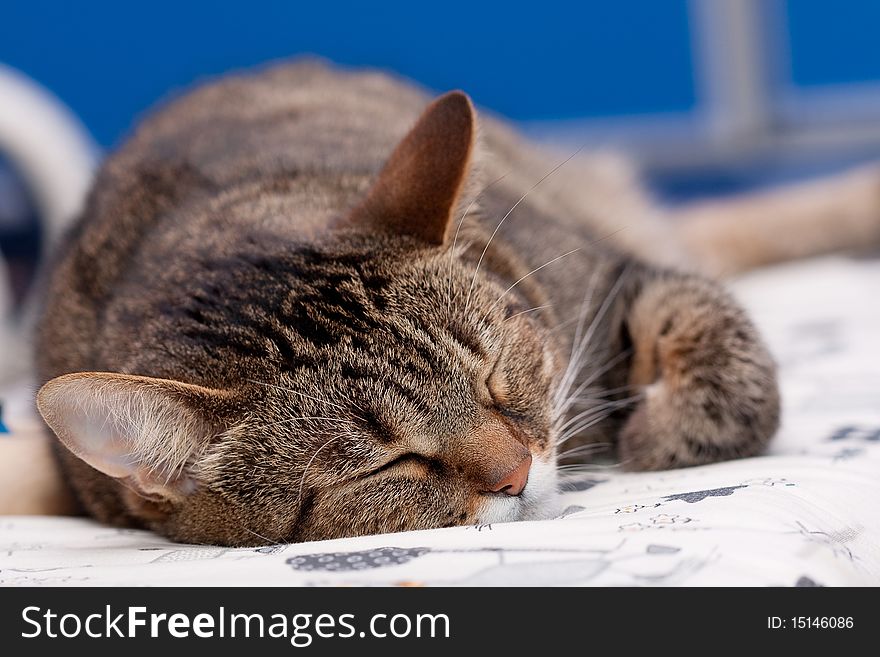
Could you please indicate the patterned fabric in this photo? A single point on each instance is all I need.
(805, 514)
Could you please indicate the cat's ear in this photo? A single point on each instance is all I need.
(418, 191)
(143, 431)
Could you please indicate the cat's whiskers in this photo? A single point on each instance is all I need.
(591, 400)
(504, 218)
(577, 470)
(574, 468)
(593, 410)
(304, 395)
(578, 343)
(583, 421)
(455, 240)
(562, 405)
(575, 365)
(587, 423)
(302, 480)
(265, 538)
(352, 402)
(573, 433)
(612, 404)
(522, 278)
(584, 449)
(598, 393)
(530, 310)
(565, 404)
(303, 418)
(452, 308)
(581, 318)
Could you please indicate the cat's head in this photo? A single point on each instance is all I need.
(371, 382)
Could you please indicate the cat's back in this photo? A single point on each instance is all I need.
(276, 151)
(294, 118)
(309, 119)
(284, 150)
(306, 138)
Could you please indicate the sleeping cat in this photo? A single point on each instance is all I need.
(303, 304)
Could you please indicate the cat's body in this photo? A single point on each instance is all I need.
(227, 251)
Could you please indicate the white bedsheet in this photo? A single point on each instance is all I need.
(805, 514)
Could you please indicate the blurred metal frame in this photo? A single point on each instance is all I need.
(48, 147)
(747, 107)
(56, 158)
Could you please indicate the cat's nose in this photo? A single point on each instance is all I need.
(514, 482)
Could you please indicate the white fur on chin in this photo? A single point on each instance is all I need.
(538, 501)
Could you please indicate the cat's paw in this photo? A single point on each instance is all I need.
(708, 383)
(644, 444)
(665, 431)
(670, 429)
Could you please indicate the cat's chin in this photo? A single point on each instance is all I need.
(539, 500)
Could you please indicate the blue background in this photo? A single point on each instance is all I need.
(833, 42)
(111, 60)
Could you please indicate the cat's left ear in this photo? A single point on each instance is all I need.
(418, 191)
(146, 432)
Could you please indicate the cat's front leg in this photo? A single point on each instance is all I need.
(708, 383)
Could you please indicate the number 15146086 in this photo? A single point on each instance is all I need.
(810, 622)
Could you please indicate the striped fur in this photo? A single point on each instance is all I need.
(290, 334)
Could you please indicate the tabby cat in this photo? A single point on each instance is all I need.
(301, 304)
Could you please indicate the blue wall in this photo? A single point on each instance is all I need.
(540, 60)
(833, 42)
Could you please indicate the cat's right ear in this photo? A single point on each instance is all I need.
(143, 431)
(418, 192)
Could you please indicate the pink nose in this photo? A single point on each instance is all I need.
(516, 480)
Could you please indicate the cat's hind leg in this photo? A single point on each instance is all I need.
(839, 213)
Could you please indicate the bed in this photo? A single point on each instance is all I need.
(807, 513)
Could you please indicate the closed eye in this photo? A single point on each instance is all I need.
(408, 459)
(496, 384)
